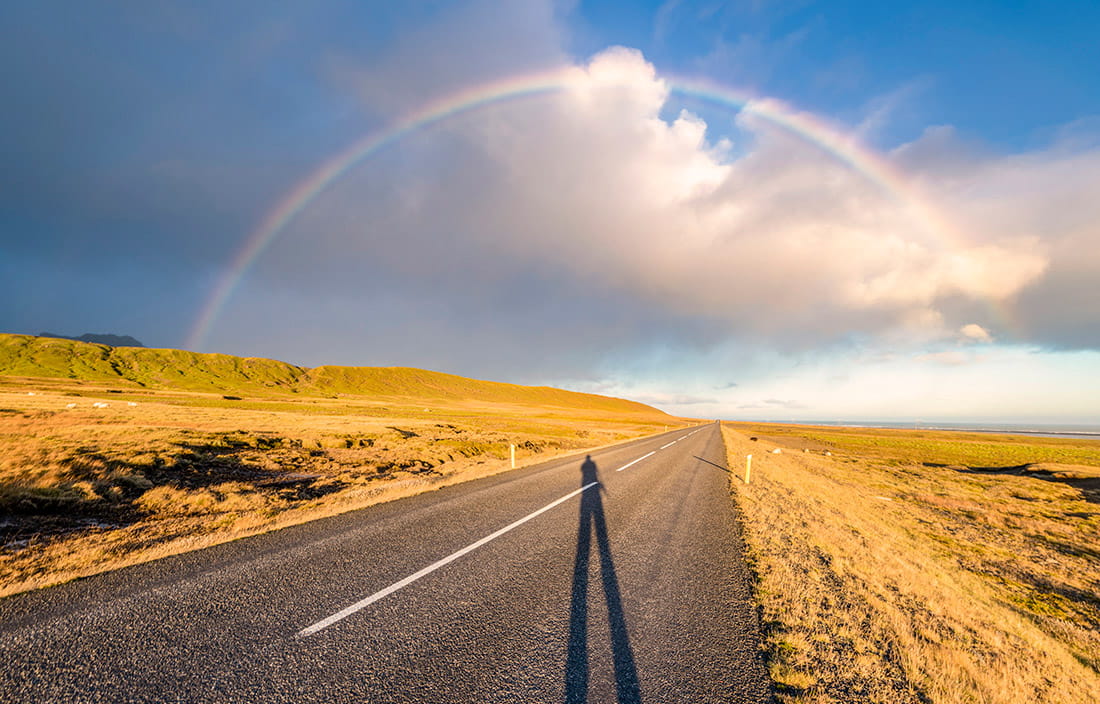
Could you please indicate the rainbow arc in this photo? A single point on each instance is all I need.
(808, 127)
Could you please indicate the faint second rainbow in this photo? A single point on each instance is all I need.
(804, 125)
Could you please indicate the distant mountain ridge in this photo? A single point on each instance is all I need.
(98, 339)
(29, 356)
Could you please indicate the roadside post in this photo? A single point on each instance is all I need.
(513, 456)
(748, 467)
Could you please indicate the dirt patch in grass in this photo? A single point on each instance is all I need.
(923, 567)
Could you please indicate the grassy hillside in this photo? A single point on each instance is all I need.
(29, 356)
(112, 456)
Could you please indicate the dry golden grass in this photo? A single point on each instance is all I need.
(154, 473)
(884, 578)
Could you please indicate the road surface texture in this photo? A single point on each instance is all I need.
(612, 578)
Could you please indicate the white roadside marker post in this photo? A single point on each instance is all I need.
(513, 456)
(748, 467)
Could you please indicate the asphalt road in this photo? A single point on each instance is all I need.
(524, 587)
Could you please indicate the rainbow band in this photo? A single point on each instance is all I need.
(804, 125)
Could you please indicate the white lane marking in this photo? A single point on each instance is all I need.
(339, 615)
(668, 445)
(631, 464)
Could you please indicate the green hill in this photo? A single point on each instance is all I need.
(29, 356)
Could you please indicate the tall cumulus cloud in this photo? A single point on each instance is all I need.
(771, 239)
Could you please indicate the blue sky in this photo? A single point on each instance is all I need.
(936, 260)
(1003, 72)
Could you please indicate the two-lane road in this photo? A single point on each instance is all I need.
(616, 577)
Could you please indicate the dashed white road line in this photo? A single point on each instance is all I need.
(340, 615)
(381, 594)
(631, 464)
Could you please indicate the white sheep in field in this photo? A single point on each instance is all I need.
(131, 404)
(70, 405)
(99, 404)
(31, 393)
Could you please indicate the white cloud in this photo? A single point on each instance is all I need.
(975, 332)
(589, 192)
(662, 400)
(783, 403)
(1043, 200)
(783, 242)
(947, 358)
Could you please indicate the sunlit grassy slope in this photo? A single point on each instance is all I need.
(133, 367)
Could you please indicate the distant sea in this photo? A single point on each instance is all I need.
(1088, 432)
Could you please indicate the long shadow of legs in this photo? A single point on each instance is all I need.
(576, 668)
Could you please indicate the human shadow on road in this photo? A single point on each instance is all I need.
(576, 667)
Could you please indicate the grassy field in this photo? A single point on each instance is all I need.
(913, 566)
(97, 473)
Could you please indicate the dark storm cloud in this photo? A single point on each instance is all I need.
(142, 128)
